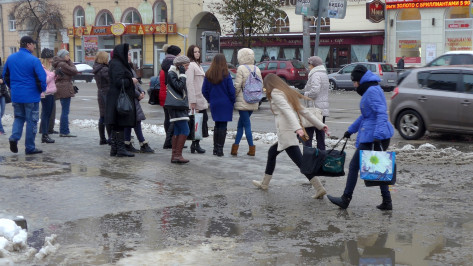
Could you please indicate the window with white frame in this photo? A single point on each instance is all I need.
(79, 17)
(11, 22)
(324, 24)
(281, 23)
(458, 29)
(105, 19)
(160, 12)
(132, 17)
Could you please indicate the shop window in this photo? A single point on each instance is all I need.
(408, 35)
(458, 29)
(281, 23)
(132, 17)
(324, 24)
(78, 54)
(11, 22)
(105, 19)
(360, 53)
(160, 12)
(79, 17)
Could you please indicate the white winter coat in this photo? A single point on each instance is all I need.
(317, 89)
(195, 78)
(248, 59)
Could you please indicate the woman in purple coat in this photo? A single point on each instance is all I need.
(219, 91)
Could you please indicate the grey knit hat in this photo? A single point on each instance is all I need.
(62, 53)
(315, 61)
(181, 60)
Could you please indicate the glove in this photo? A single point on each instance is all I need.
(347, 135)
(182, 69)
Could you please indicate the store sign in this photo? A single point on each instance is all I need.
(103, 30)
(409, 44)
(375, 11)
(401, 4)
(458, 24)
(459, 44)
(117, 29)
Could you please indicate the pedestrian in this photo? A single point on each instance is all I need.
(374, 131)
(121, 77)
(400, 63)
(47, 97)
(178, 110)
(21, 73)
(65, 70)
(140, 115)
(197, 102)
(102, 79)
(316, 89)
(171, 52)
(285, 105)
(219, 91)
(246, 59)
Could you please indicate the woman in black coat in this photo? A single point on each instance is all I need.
(120, 75)
(102, 79)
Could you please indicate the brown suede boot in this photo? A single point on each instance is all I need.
(252, 151)
(174, 148)
(234, 149)
(181, 139)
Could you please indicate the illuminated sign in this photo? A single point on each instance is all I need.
(396, 4)
(375, 11)
(117, 29)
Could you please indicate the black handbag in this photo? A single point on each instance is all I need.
(333, 161)
(6, 93)
(124, 105)
(312, 160)
(175, 100)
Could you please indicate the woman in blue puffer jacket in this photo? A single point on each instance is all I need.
(373, 128)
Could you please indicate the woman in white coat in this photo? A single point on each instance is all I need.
(285, 105)
(197, 102)
(316, 89)
(246, 59)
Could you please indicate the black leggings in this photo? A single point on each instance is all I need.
(294, 152)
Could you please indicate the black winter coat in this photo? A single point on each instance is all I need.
(103, 84)
(120, 75)
(166, 64)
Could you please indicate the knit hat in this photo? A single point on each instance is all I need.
(62, 53)
(47, 53)
(181, 60)
(358, 72)
(315, 61)
(25, 40)
(174, 50)
(165, 48)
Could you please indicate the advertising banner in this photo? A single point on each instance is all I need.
(91, 47)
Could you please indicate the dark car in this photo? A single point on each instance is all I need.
(293, 72)
(342, 78)
(85, 72)
(437, 99)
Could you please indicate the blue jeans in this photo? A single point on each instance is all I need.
(29, 113)
(47, 104)
(244, 123)
(64, 124)
(138, 132)
(2, 111)
(181, 127)
(354, 169)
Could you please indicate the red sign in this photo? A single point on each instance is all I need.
(396, 4)
(297, 41)
(375, 11)
(103, 30)
(410, 60)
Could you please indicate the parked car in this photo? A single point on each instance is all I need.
(453, 58)
(85, 72)
(291, 71)
(342, 78)
(437, 99)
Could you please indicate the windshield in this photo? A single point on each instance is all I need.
(387, 68)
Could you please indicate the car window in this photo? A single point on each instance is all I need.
(461, 60)
(370, 67)
(443, 81)
(348, 69)
(468, 83)
(422, 78)
(272, 65)
(298, 64)
(387, 68)
(282, 65)
(261, 66)
(442, 61)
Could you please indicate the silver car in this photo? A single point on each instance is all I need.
(386, 72)
(437, 99)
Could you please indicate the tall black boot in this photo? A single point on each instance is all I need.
(120, 143)
(169, 134)
(387, 204)
(103, 140)
(221, 136)
(195, 146)
(215, 141)
(113, 144)
(108, 128)
(341, 202)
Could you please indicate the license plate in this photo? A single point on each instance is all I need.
(301, 74)
(391, 80)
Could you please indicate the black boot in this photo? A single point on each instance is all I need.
(103, 140)
(113, 144)
(46, 139)
(120, 144)
(129, 147)
(387, 204)
(221, 136)
(215, 142)
(196, 147)
(341, 202)
(169, 134)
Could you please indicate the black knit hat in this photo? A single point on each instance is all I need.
(174, 50)
(47, 53)
(25, 40)
(358, 72)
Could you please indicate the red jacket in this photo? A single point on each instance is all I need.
(162, 87)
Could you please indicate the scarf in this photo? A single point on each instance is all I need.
(364, 87)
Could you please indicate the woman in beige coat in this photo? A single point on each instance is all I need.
(246, 59)
(197, 102)
(285, 105)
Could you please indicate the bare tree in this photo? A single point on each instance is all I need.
(251, 18)
(38, 15)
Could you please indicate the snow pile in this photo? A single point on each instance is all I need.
(158, 130)
(427, 147)
(50, 246)
(85, 123)
(12, 237)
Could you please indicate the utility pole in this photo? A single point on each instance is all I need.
(305, 39)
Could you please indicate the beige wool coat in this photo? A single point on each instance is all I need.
(195, 78)
(248, 59)
(287, 121)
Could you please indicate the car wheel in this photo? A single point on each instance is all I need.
(410, 125)
(333, 85)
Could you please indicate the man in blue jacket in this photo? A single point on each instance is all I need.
(25, 75)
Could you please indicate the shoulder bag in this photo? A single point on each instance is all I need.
(310, 105)
(175, 100)
(124, 105)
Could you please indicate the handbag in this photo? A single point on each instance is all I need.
(378, 166)
(312, 160)
(124, 105)
(195, 126)
(334, 161)
(175, 100)
(76, 89)
(7, 95)
(314, 110)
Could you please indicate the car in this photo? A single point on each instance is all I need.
(342, 78)
(85, 72)
(453, 58)
(436, 99)
(293, 72)
(206, 65)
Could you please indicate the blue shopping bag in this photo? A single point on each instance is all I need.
(377, 165)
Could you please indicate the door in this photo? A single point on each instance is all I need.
(158, 58)
(136, 57)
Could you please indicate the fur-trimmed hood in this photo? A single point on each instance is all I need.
(246, 56)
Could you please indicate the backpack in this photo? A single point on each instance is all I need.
(253, 89)
(153, 90)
